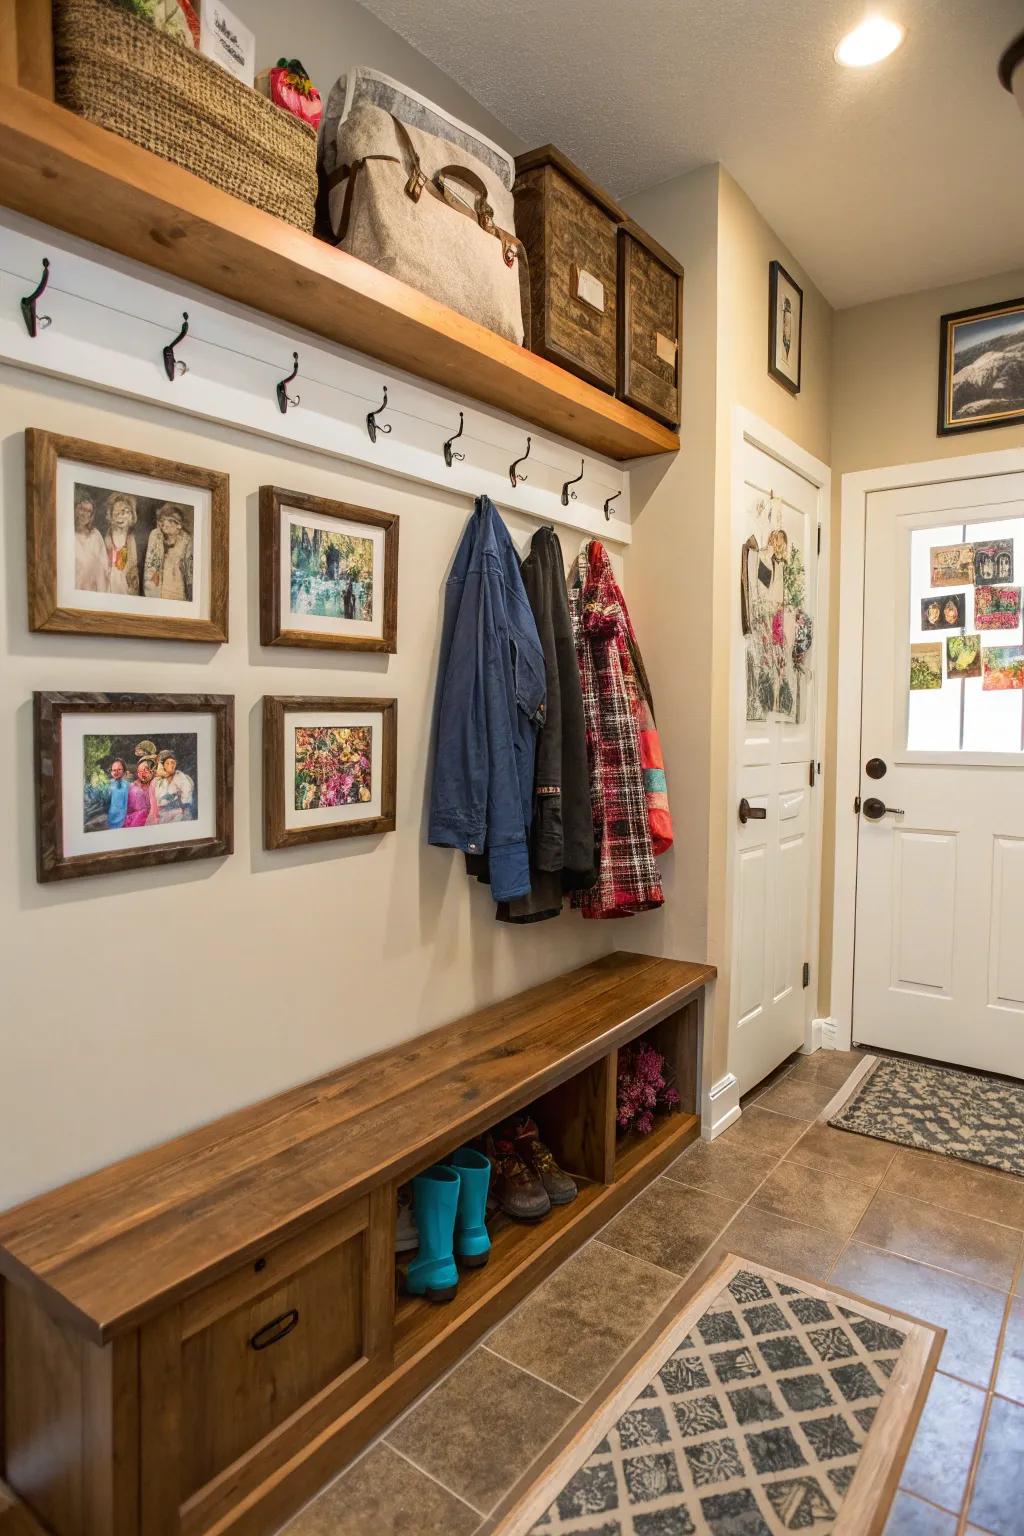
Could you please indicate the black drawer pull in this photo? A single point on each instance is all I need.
(276, 1330)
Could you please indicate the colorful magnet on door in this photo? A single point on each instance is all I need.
(952, 565)
(926, 665)
(963, 656)
(943, 612)
(1002, 667)
(997, 607)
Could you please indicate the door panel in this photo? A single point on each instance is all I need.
(774, 873)
(939, 962)
(1006, 952)
(923, 930)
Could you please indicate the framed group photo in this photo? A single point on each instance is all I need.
(122, 543)
(981, 368)
(131, 780)
(329, 769)
(328, 573)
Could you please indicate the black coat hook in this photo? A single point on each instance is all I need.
(35, 323)
(372, 424)
(284, 399)
(566, 493)
(513, 468)
(449, 455)
(608, 506)
(173, 366)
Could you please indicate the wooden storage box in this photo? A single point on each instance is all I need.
(650, 326)
(568, 226)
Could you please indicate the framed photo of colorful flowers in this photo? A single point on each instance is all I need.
(329, 769)
(131, 780)
(328, 573)
(122, 543)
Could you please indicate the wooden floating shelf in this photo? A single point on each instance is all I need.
(71, 174)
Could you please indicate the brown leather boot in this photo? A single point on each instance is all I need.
(517, 1189)
(559, 1186)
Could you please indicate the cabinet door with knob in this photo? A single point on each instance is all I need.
(236, 1377)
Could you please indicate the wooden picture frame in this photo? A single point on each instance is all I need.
(989, 330)
(781, 337)
(67, 597)
(281, 815)
(279, 624)
(210, 804)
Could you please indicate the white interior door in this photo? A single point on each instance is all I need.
(939, 945)
(774, 860)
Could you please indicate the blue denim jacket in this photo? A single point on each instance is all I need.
(490, 702)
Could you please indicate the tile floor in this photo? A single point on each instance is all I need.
(914, 1230)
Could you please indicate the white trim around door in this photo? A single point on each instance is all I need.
(750, 429)
(856, 488)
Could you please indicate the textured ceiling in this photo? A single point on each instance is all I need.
(881, 181)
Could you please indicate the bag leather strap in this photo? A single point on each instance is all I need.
(482, 213)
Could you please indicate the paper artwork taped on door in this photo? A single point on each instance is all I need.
(778, 629)
(926, 665)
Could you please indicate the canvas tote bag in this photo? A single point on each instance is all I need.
(428, 212)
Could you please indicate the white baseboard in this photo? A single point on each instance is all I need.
(812, 1037)
(721, 1106)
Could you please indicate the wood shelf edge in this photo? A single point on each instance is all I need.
(76, 176)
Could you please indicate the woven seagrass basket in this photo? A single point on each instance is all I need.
(125, 75)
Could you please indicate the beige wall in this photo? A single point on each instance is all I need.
(682, 563)
(671, 560)
(746, 246)
(137, 1005)
(884, 403)
(330, 36)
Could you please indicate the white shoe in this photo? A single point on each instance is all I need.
(407, 1237)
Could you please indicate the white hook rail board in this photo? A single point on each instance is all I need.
(110, 319)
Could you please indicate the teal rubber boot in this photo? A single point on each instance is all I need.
(472, 1243)
(435, 1198)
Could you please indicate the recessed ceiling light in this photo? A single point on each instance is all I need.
(869, 43)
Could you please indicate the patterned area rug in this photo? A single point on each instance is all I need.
(766, 1406)
(938, 1109)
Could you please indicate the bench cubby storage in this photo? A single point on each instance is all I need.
(199, 1337)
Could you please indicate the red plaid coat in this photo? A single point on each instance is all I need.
(628, 879)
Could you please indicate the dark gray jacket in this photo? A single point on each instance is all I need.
(562, 856)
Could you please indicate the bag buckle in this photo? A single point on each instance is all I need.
(485, 217)
(414, 186)
(509, 252)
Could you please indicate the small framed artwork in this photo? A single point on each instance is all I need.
(785, 327)
(131, 780)
(329, 769)
(943, 612)
(121, 543)
(981, 368)
(328, 573)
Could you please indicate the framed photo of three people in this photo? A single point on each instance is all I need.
(123, 543)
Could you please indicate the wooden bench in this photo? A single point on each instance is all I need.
(197, 1338)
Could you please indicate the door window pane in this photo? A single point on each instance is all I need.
(966, 684)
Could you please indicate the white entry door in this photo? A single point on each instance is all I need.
(939, 946)
(773, 846)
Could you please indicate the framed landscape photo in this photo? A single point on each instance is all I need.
(329, 769)
(122, 543)
(328, 573)
(785, 327)
(131, 780)
(981, 368)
